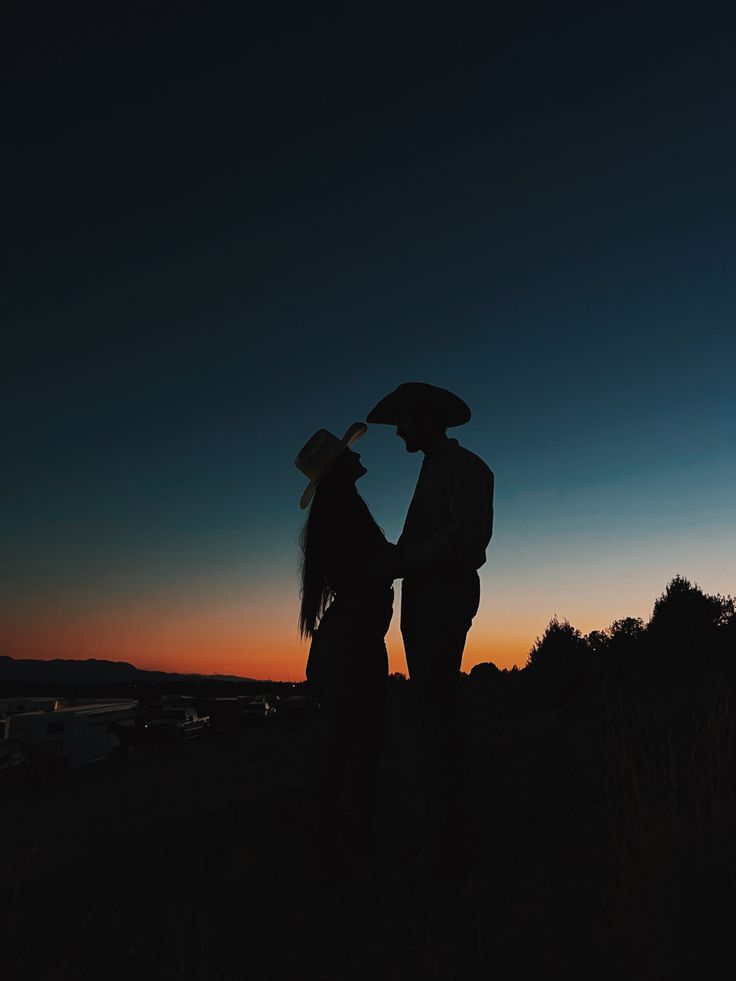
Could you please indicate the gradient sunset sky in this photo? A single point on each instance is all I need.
(228, 230)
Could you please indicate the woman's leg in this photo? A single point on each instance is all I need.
(322, 817)
(364, 730)
(341, 814)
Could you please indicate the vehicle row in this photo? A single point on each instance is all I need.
(52, 733)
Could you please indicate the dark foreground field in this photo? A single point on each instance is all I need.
(606, 850)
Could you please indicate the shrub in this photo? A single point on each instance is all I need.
(560, 659)
(484, 670)
(685, 620)
(624, 649)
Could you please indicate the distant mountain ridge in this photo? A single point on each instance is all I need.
(93, 671)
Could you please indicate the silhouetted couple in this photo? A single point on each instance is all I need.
(348, 569)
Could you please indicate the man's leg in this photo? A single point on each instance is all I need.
(434, 623)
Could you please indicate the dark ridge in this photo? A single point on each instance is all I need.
(92, 671)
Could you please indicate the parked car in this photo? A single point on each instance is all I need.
(224, 713)
(299, 705)
(176, 724)
(273, 700)
(260, 709)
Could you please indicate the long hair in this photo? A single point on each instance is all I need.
(338, 519)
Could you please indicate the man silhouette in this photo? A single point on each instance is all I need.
(442, 546)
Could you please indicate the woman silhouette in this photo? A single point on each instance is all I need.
(346, 607)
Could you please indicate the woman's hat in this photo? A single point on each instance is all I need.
(449, 408)
(320, 453)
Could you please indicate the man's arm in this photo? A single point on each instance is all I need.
(465, 536)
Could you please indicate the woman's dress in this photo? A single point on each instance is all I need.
(348, 667)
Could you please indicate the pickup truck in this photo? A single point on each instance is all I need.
(177, 724)
(260, 708)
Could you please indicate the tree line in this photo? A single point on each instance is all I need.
(688, 633)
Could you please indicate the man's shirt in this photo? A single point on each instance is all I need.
(450, 518)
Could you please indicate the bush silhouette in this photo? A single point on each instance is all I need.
(688, 629)
(484, 671)
(685, 621)
(629, 630)
(623, 649)
(598, 641)
(560, 659)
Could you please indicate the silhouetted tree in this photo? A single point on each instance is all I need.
(624, 647)
(560, 659)
(484, 670)
(598, 641)
(729, 627)
(685, 621)
(629, 630)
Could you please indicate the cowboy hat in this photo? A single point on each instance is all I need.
(320, 453)
(450, 409)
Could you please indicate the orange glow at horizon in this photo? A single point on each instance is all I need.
(213, 642)
(240, 629)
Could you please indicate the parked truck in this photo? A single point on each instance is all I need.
(175, 724)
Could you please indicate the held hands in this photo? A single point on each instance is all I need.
(392, 562)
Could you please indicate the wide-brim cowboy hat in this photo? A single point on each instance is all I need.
(449, 409)
(320, 453)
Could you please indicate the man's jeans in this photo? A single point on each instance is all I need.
(436, 614)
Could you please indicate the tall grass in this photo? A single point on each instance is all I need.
(670, 787)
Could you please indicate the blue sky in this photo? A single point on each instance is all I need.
(247, 232)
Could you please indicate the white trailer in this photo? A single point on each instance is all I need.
(30, 703)
(76, 734)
